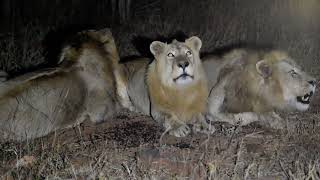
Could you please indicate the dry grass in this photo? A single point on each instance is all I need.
(127, 147)
(22, 51)
(231, 153)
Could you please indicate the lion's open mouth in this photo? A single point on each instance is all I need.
(305, 99)
(183, 76)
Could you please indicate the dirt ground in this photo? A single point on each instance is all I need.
(128, 147)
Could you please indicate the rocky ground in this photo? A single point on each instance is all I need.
(128, 147)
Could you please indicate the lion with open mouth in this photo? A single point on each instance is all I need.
(250, 85)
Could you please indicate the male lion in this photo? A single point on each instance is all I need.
(173, 87)
(250, 85)
(81, 87)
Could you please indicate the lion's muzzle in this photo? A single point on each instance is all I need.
(306, 98)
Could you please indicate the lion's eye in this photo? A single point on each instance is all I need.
(293, 73)
(188, 53)
(170, 55)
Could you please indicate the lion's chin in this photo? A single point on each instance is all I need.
(184, 79)
(301, 107)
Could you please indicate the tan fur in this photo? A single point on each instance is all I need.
(117, 70)
(184, 103)
(242, 94)
(173, 105)
(82, 87)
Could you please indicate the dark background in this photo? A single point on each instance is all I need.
(291, 25)
(30, 29)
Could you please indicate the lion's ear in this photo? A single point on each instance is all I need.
(194, 42)
(263, 69)
(157, 47)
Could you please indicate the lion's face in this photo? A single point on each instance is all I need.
(178, 64)
(296, 86)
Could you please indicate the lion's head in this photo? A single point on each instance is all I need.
(178, 62)
(285, 84)
(176, 80)
(98, 40)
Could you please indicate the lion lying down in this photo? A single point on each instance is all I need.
(249, 85)
(172, 88)
(82, 87)
(246, 86)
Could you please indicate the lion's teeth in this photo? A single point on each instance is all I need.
(305, 98)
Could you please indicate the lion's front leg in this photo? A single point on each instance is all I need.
(176, 127)
(201, 125)
(216, 103)
(122, 91)
(172, 124)
(270, 119)
(181, 131)
(273, 120)
(240, 119)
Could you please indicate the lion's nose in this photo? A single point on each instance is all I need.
(312, 82)
(183, 65)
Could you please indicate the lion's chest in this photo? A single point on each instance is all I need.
(183, 104)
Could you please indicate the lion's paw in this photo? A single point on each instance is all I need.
(204, 128)
(182, 131)
(276, 122)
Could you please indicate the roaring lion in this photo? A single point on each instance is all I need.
(251, 85)
(82, 87)
(172, 88)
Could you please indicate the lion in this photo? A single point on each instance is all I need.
(251, 85)
(172, 88)
(82, 87)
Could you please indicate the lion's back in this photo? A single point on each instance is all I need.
(36, 107)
